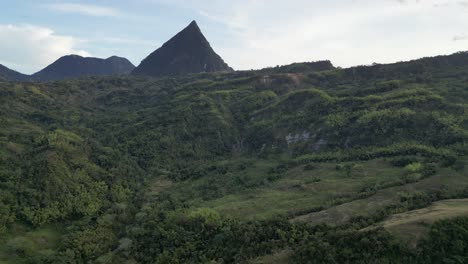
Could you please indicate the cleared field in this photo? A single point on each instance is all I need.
(446, 180)
(281, 257)
(301, 189)
(411, 226)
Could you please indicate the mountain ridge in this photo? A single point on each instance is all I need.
(73, 66)
(8, 74)
(187, 52)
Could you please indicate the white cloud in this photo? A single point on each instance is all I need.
(28, 48)
(460, 37)
(463, 3)
(348, 32)
(85, 9)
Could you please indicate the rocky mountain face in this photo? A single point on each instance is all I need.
(73, 66)
(187, 52)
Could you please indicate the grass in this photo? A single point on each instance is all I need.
(280, 257)
(446, 180)
(411, 226)
(302, 190)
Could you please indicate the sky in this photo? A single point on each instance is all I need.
(247, 34)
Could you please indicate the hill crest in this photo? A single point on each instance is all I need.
(73, 66)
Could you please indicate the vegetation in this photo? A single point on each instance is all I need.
(237, 167)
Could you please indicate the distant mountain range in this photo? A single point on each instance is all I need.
(187, 52)
(72, 66)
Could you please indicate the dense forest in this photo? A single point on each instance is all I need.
(304, 163)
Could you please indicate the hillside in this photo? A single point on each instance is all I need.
(187, 52)
(8, 74)
(74, 66)
(299, 163)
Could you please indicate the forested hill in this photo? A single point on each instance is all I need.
(236, 166)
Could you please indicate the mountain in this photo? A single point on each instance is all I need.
(187, 52)
(7, 74)
(74, 66)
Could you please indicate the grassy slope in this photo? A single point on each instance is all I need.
(446, 180)
(300, 190)
(411, 226)
(281, 257)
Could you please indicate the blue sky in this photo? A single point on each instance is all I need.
(248, 34)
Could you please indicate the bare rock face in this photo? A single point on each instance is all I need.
(187, 52)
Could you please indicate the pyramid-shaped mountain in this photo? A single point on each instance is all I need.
(74, 66)
(187, 52)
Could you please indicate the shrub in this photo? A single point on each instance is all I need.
(414, 167)
(428, 170)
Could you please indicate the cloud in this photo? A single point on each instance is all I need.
(449, 3)
(85, 9)
(28, 48)
(463, 3)
(348, 32)
(460, 37)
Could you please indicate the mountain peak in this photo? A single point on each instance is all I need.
(187, 52)
(192, 28)
(193, 24)
(71, 56)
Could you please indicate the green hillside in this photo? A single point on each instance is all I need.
(301, 163)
